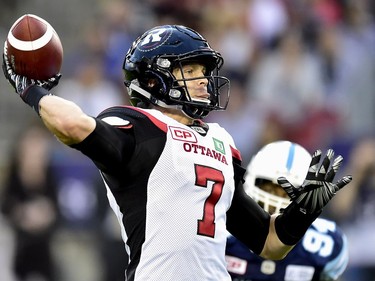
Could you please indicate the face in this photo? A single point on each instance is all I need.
(274, 189)
(197, 88)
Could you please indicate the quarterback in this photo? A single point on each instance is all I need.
(174, 181)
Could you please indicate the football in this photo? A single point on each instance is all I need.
(34, 49)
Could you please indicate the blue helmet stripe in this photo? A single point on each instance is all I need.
(289, 161)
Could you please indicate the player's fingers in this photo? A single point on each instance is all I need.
(324, 167)
(5, 61)
(7, 67)
(5, 49)
(288, 187)
(343, 182)
(335, 167)
(55, 79)
(314, 165)
(5, 70)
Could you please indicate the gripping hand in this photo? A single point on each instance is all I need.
(21, 83)
(318, 188)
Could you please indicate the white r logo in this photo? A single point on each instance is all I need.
(153, 36)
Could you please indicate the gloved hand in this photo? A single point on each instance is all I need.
(21, 83)
(318, 188)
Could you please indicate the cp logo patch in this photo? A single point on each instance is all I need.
(182, 134)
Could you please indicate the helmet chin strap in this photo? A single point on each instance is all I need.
(135, 86)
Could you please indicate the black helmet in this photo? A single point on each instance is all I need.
(155, 54)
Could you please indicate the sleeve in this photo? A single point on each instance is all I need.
(246, 220)
(108, 146)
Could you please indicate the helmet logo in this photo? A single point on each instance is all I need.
(154, 39)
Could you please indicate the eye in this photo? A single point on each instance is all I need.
(188, 70)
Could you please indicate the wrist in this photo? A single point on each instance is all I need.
(292, 224)
(32, 96)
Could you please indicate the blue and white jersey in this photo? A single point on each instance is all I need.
(322, 254)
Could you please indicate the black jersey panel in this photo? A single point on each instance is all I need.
(245, 209)
(130, 187)
(149, 140)
(108, 147)
(126, 156)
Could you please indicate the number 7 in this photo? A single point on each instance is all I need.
(203, 174)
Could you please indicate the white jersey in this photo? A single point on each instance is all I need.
(172, 206)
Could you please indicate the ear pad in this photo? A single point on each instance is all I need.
(159, 88)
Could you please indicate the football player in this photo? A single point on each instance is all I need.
(175, 182)
(322, 253)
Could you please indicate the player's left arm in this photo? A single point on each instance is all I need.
(253, 226)
(273, 237)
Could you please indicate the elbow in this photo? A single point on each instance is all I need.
(65, 120)
(72, 130)
(69, 132)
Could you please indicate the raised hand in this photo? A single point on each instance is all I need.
(21, 83)
(318, 188)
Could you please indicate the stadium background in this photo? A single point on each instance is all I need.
(301, 70)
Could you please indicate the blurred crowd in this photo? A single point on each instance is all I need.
(301, 70)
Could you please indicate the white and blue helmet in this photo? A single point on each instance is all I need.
(274, 160)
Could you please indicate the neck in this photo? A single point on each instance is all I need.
(177, 115)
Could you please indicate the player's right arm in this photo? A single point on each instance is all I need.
(259, 235)
(65, 119)
(105, 144)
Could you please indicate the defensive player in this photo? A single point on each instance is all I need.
(175, 182)
(322, 253)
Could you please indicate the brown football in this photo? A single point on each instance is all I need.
(34, 48)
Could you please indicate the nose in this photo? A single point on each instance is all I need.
(203, 81)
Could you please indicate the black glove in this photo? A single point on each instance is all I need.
(309, 199)
(21, 83)
(318, 188)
